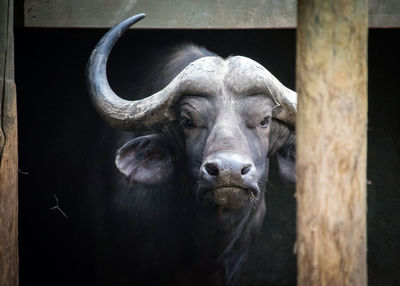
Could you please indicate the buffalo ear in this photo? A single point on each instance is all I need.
(283, 148)
(286, 158)
(146, 159)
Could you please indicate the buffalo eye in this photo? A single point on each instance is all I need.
(265, 122)
(186, 123)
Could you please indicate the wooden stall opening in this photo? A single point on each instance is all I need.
(331, 133)
(331, 125)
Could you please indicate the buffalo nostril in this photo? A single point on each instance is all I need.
(246, 169)
(212, 169)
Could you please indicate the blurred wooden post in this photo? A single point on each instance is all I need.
(8, 151)
(331, 129)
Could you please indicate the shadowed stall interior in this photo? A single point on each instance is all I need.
(58, 129)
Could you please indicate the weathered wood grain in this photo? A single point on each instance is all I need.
(184, 14)
(384, 14)
(8, 151)
(161, 14)
(331, 79)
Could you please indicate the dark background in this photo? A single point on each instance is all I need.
(58, 128)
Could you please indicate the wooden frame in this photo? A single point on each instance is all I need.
(348, 245)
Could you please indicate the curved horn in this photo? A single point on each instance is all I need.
(155, 109)
(118, 112)
(248, 74)
(287, 109)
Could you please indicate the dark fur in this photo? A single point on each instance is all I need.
(157, 234)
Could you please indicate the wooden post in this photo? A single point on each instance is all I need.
(331, 129)
(8, 151)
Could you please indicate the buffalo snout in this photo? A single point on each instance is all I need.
(228, 179)
(227, 167)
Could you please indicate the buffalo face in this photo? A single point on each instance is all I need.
(226, 129)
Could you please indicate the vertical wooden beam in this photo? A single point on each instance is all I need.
(8, 151)
(331, 81)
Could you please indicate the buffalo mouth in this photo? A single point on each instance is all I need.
(229, 197)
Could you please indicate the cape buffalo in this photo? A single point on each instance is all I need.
(188, 196)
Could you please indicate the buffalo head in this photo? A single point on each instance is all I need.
(224, 109)
(208, 137)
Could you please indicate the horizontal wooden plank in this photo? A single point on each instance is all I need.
(384, 13)
(161, 14)
(184, 14)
